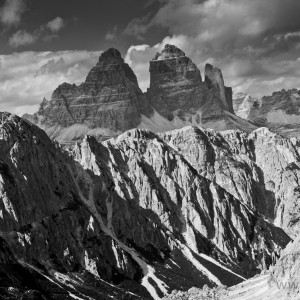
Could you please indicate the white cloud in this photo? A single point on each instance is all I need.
(26, 78)
(12, 11)
(22, 38)
(138, 58)
(292, 35)
(56, 24)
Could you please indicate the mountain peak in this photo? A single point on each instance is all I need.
(111, 70)
(169, 51)
(111, 56)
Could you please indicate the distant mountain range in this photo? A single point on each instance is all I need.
(280, 111)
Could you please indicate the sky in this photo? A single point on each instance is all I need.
(44, 43)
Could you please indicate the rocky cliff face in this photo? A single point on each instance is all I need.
(176, 86)
(178, 94)
(107, 103)
(143, 211)
(110, 102)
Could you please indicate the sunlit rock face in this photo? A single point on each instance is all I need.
(279, 160)
(136, 211)
(110, 101)
(260, 169)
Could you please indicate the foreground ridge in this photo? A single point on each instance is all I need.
(142, 214)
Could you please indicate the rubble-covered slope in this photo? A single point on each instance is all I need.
(281, 282)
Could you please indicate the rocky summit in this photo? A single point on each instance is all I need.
(143, 214)
(110, 101)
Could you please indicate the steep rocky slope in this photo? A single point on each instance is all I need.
(45, 223)
(110, 102)
(131, 217)
(260, 169)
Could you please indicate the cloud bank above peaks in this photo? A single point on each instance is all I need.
(256, 43)
(26, 78)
